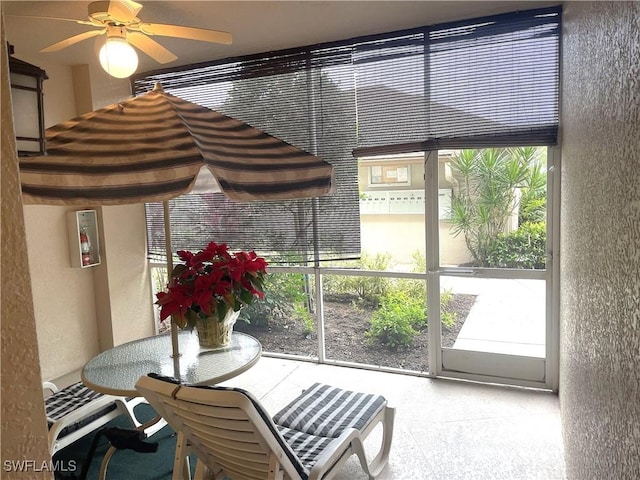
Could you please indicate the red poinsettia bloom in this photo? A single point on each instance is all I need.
(210, 283)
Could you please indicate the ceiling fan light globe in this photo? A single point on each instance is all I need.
(118, 58)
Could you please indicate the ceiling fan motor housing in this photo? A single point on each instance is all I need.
(107, 13)
(116, 31)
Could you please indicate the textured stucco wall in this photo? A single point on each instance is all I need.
(600, 245)
(24, 427)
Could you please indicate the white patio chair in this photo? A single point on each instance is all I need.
(234, 437)
(76, 411)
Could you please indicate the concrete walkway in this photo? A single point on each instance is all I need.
(508, 316)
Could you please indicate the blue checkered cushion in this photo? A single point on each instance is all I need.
(69, 399)
(326, 411)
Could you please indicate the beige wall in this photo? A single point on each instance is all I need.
(81, 312)
(600, 243)
(63, 296)
(126, 270)
(402, 235)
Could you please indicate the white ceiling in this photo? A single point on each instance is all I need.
(256, 26)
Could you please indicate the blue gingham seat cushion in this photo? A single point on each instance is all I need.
(326, 411)
(69, 399)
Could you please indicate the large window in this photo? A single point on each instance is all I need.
(292, 231)
(394, 114)
(483, 82)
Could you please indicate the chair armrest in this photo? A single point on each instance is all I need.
(50, 386)
(80, 413)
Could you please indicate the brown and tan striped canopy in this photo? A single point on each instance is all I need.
(152, 147)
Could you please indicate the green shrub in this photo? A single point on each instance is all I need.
(285, 296)
(395, 333)
(302, 313)
(419, 264)
(403, 313)
(535, 211)
(522, 248)
(447, 317)
(391, 327)
(365, 289)
(533, 202)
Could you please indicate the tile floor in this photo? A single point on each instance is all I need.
(444, 429)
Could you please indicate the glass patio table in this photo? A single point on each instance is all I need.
(116, 371)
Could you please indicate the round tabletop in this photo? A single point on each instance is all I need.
(116, 371)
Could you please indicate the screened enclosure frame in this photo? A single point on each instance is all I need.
(478, 83)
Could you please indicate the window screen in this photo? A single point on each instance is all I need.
(309, 108)
(491, 81)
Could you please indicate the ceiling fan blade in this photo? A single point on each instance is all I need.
(191, 33)
(150, 47)
(37, 17)
(124, 10)
(72, 41)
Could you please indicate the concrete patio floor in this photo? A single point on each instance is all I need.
(444, 429)
(508, 316)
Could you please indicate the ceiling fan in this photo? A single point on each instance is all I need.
(118, 20)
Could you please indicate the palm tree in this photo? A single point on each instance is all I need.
(489, 185)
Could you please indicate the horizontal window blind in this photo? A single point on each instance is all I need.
(304, 108)
(485, 82)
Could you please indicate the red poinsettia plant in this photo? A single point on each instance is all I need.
(210, 283)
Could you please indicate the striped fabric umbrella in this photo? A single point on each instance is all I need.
(155, 147)
(152, 147)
